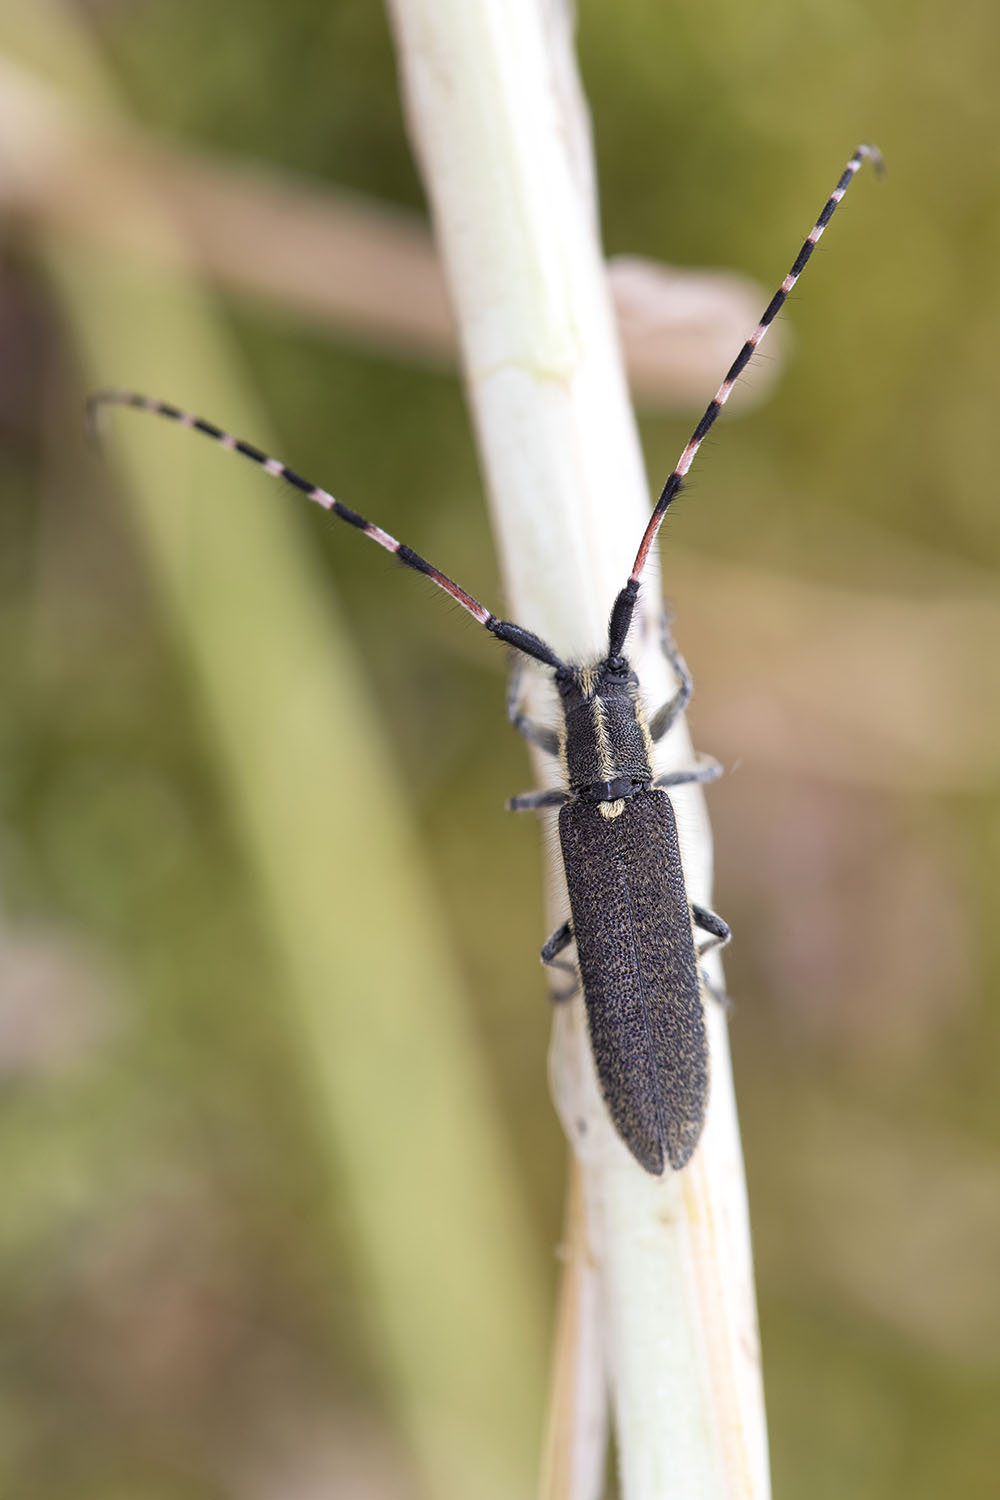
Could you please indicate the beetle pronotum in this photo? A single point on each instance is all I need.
(631, 920)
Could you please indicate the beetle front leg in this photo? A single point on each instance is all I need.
(539, 735)
(664, 719)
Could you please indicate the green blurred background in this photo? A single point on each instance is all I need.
(187, 1306)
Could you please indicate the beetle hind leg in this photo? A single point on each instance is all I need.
(718, 936)
(721, 998)
(712, 923)
(557, 943)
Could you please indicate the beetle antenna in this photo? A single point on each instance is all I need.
(621, 616)
(513, 635)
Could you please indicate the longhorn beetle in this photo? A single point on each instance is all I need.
(631, 920)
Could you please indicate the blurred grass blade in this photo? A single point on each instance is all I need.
(398, 1089)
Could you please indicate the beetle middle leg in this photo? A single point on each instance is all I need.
(532, 801)
(705, 768)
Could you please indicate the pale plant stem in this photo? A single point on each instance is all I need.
(669, 1299)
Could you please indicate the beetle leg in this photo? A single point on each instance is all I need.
(560, 940)
(719, 996)
(709, 922)
(713, 924)
(539, 735)
(532, 801)
(665, 717)
(706, 768)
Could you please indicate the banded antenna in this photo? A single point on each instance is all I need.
(621, 616)
(505, 630)
(514, 635)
